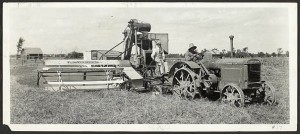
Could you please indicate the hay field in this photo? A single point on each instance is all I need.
(32, 105)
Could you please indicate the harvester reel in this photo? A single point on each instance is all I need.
(231, 93)
(266, 93)
(183, 84)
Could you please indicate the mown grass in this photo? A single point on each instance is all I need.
(32, 105)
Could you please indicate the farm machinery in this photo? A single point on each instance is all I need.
(231, 80)
(235, 81)
(133, 71)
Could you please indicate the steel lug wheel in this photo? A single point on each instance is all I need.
(266, 94)
(233, 94)
(183, 84)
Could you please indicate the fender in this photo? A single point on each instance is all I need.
(189, 64)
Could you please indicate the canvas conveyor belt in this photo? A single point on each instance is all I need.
(79, 78)
(131, 73)
(83, 77)
(134, 77)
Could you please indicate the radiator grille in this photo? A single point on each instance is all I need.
(254, 72)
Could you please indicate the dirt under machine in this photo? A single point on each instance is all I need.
(231, 80)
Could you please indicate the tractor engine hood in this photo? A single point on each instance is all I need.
(218, 63)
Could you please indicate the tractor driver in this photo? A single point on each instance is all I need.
(192, 53)
(158, 56)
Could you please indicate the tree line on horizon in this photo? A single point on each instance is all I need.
(223, 53)
(239, 53)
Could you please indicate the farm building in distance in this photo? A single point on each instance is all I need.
(100, 55)
(31, 53)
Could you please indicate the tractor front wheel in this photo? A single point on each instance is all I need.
(266, 93)
(233, 94)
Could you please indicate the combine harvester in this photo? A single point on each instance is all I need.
(97, 74)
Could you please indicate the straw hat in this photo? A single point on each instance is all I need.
(191, 45)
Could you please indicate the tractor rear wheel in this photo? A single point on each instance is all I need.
(233, 94)
(183, 83)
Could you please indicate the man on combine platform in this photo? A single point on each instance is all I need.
(192, 54)
(158, 56)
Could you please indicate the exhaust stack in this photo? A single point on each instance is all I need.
(231, 45)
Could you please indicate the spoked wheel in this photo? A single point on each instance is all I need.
(184, 84)
(233, 94)
(266, 93)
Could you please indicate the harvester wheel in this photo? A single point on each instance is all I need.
(183, 83)
(233, 94)
(41, 82)
(124, 86)
(267, 94)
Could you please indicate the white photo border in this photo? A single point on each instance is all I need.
(292, 126)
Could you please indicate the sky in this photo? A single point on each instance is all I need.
(65, 29)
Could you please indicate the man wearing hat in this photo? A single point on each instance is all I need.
(192, 54)
(158, 56)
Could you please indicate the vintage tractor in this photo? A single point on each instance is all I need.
(234, 80)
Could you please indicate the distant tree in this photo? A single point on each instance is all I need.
(227, 54)
(261, 54)
(238, 53)
(75, 55)
(223, 53)
(251, 54)
(287, 53)
(60, 55)
(268, 55)
(215, 49)
(234, 52)
(19, 46)
(273, 54)
(279, 51)
(245, 49)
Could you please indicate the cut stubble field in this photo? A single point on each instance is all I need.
(33, 105)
